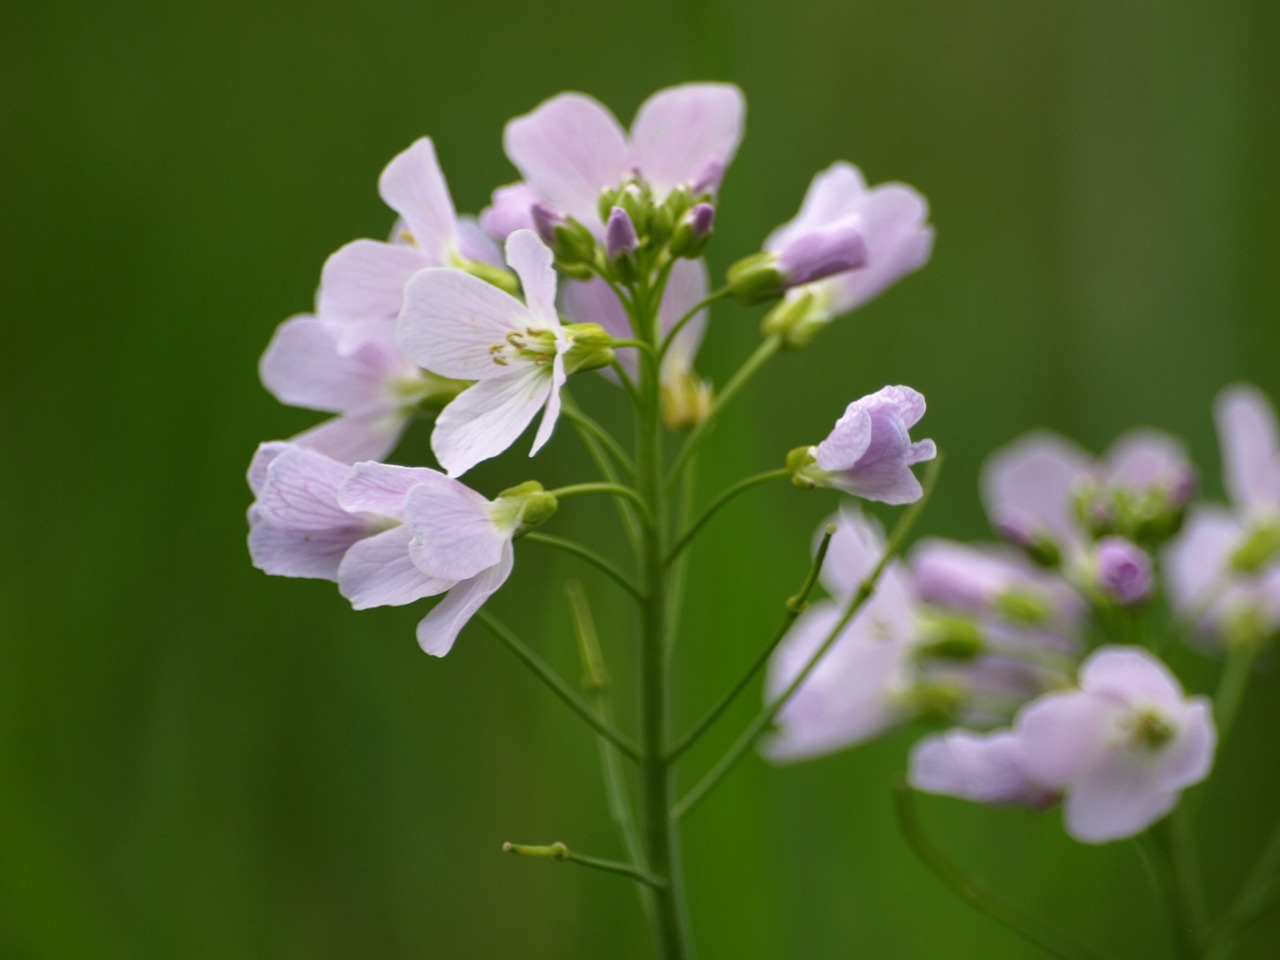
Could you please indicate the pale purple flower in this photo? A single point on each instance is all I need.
(314, 517)
(860, 687)
(1250, 447)
(982, 767)
(869, 453)
(570, 148)
(1152, 464)
(1121, 748)
(353, 369)
(890, 219)
(365, 280)
(1029, 488)
(1122, 570)
(462, 327)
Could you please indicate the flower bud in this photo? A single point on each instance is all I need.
(524, 506)
(756, 278)
(590, 347)
(686, 398)
(797, 319)
(572, 242)
(693, 232)
(949, 638)
(620, 234)
(1122, 571)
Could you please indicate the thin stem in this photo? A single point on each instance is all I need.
(1257, 896)
(613, 489)
(553, 681)
(795, 605)
(856, 602)
(1177, 836)
(589, 555)
(608, 470)
(558, 851)
(601, 435)
(974, 893)
(638, 344)
(740, 487)
(768, 347)
(625, 379)
(1231, 687)
(693, 312)
(1160, 871)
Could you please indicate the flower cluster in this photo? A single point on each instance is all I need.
(1035, 648)
(477, 324)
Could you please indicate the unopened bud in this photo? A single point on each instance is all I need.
(756, 278)
(949, 638)
(1123, 571)
(620, 234)
(525, 505)
(801, 462)
(686, 398)
(590, 347)
(797, 319)
(693, 232)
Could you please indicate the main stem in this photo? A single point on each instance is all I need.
(662, 859)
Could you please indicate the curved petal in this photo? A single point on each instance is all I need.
(1116, 798)
(678, 132)
(377, 572)
(414, 187)
(509, 210)
(848, 440)
(1250, 447)
(303, 365)
(454, 535)
(1189, 758)
(439, 628)
(856, 547)
(487, 418)
(365, 280)
(898, 239)
(381, 488)
(552, 411)
(985, 768)
(1062, 735)
(532, 261)
(834, 194)
(1028, 486)
(451, 320)
(1130, 675)
(263, 456)
(569, 149)
(362, 435)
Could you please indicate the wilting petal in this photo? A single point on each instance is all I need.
(454, 534)
(365, 280)
(439, 628)
(569, 149)
(487, 418)
(452, 319)
(679, 131)
(378, 572)
(414, 187)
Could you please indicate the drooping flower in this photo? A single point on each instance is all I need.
(860, 687)
(870, 453)
(890, 219)
(570, 148)
(365, 280)
(353, 369)
(462, 327)
(1121, 748)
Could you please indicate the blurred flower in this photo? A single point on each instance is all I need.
(1122, 571)
(982, 767)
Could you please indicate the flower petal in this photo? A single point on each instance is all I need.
(552, 411)
(487, 418)
(687, 286)
(439, 628)
(381, 488)
(1062, 735)
(365, 280)
(569, 149)
(1117, 797)
(452, 319)
(454, 535)
(834, 194)
(414, 187)
(510, 209)
(678, 132)
(532, 261)
(303, 365)
(1131, 676)
(1028, 486)
(378, 572)
(898, 239)
(363, 435)
(1250, 447)
(848, 440)
(985, 768)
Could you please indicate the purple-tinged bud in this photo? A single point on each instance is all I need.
(693, 231)
(822, 253)
(620, 234)
(702, 219)
(1123, 571)
(545, 221)
(708, 178)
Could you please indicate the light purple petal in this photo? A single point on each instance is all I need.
(552, 411)
(985, 768)
(898, 239)
(848, 440)
(304, 366)
(439, 628)
(855, 549)
(1250, 448)
(1188, 759)
(679, 131)
(262, 457)
(452, 319)
(365, 280)
(1115, 798)
(487, 418)
(1062, 735)
(381, 488)
(687, 286)
(414, 187)
(532, 261)
(510, 209)
(474, 243)
(1131, 676)
(454, 535)
(1200, 555)
(378, 572)
(363, 435)
(569, 149)
(1030, 484)
(1146, 460)
(834, 194)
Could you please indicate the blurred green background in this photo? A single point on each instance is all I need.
(197, 760)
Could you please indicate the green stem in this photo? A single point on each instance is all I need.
(609, 472)
(974, 893)
(795, 605)
(589, 555)
(740, 487)
(1231, 687)
(1257, 896)
(768, 347)
(856, 602)
(693, 312)
(613, 489)
(1178, 837)
(602, 436)
(1162, 874)
(556, 685)
(558, 851)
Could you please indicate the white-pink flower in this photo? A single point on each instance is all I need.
(571, 147)
(461, 327)
(982, 767)
(365, 280)
(1121, 748)
(353, 369)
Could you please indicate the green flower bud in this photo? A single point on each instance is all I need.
(756, 278)
(590, 347)
(524, 506)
